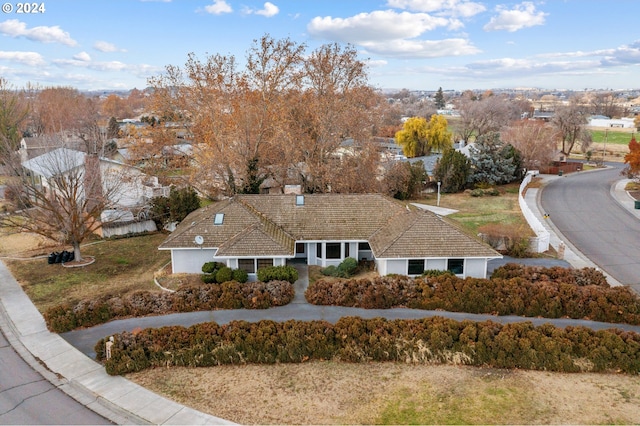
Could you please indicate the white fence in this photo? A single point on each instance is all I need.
(124, 228)
(540, 243)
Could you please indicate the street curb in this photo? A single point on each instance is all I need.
(74, 390)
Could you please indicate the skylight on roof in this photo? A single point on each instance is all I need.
(299, 200)
(218, 219)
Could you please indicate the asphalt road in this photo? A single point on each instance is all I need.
(27, 398)
(582, 209)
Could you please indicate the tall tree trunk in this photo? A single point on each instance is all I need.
(77, 256)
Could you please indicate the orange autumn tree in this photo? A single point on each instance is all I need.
(632, 160)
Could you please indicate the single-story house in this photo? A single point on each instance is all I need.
(254, 231)
(125, 186)
(604, 121)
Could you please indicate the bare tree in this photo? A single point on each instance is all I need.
(605, 103)
(489, 114)
(569, 121)
(284, 115)
(61, 195)
(535, 140)
(337, 104)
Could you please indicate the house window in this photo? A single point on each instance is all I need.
(456, 266)
(346, 250)
(218, 219)
(247, 265)
(319, 250)
(300, 248)
(416, 266)
(333, 250)
(264, 263)
(364, 247)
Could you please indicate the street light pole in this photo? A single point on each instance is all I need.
(604, 149)
(438, 204)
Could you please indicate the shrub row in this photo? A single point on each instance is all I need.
(427, 341)
(580, 277)
(514, 296)
(229, 295)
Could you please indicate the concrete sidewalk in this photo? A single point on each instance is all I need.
(113, 397)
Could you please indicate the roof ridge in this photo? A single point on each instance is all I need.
(412, 216)
(271, 228)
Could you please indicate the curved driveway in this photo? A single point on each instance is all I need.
(583, 210)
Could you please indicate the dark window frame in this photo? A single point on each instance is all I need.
(333, 251)
(455, 266)
(364, 246)
(251, 270)
(415, 268)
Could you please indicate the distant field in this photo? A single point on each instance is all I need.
(616, 137)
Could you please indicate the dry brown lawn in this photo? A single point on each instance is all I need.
(390, 393)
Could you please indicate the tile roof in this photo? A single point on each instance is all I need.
(269, 225)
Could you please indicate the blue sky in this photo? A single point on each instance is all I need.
(413, 44)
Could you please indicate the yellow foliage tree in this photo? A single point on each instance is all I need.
(438, 135)
(413, 137)
(419, 137)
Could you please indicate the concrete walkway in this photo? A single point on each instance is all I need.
(124, 402)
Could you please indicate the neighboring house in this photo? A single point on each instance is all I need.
(132, 187)
(254, 231)
(31, 147)
(603, 121)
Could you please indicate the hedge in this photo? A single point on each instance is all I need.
(543, 295)
(278, 273)
(427, 341)
(229, 295)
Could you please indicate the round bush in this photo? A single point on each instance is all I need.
(209, 278)
(224, 274)
(240, 275)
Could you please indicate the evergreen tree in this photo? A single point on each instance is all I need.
(174, 208)
(453, 170)
(439, 99)
(494, 162)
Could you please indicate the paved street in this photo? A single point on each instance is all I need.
(26, 397)
(582, 209)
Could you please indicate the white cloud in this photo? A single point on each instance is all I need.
(104, 46)
(415, 49)
(218, 7)
(374, 26)
(522, 16)
(460, 8)
(28, 58)
(82, 56)
(15, 28)
(268, 10)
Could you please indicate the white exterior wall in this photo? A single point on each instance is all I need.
(396, 266)
(190, 261)
(123, 184)
(436, 264)
(476, 268)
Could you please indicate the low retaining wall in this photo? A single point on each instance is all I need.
(540, 243)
